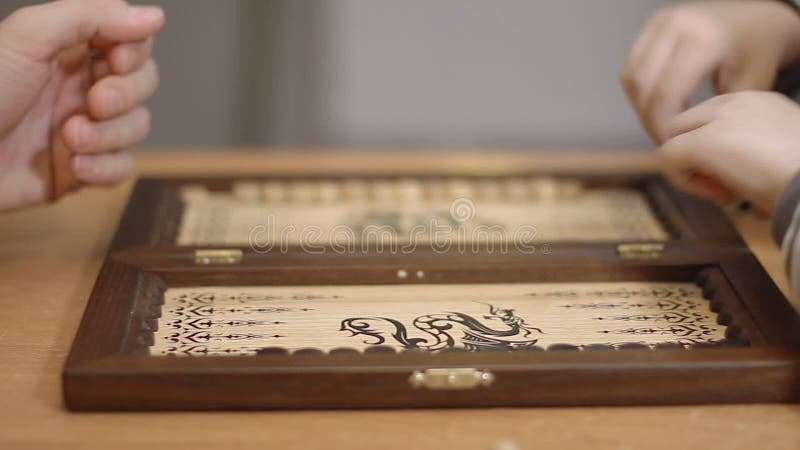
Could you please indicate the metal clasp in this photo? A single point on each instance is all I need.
(640, 250)
(217, 256)
(445, 379)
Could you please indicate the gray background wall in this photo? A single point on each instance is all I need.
(410, 73)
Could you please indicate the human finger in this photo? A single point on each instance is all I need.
(83, 135)
(115, 95)
(127, 58)
(103, 168)
(42, 31)
(687, 66)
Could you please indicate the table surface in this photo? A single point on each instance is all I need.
(50, 256)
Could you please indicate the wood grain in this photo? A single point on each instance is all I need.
(50, 258)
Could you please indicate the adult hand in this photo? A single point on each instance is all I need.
(741, 44)
(73, 76)
(748, 142)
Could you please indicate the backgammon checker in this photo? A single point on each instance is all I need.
(428, 291)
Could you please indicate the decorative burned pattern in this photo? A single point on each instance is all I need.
(433, 317)
(513, 333)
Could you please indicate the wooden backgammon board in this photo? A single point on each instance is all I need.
(365, 291)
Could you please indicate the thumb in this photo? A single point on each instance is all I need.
(41, 32)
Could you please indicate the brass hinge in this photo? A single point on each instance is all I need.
(640, 251)
(458, 378)
(217, 256)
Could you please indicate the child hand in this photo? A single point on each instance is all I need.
(742, 44)
(745, 142)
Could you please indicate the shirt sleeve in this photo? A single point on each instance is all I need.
(788, 81)
(786, 231)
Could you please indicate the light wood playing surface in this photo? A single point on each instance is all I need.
(241, 320)
(49, 258)
(413, 212)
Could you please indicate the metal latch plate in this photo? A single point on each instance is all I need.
(451, 379)
(640, 250)
(217, 256)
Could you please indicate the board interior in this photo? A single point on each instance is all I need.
(409, 211)
(248, 320)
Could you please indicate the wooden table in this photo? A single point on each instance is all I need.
(49, 258)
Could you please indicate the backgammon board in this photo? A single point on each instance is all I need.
(428, 291)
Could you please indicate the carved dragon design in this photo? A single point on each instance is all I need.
(443, 331)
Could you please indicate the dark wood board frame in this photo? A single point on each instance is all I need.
(108, 367)
(155, 207)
